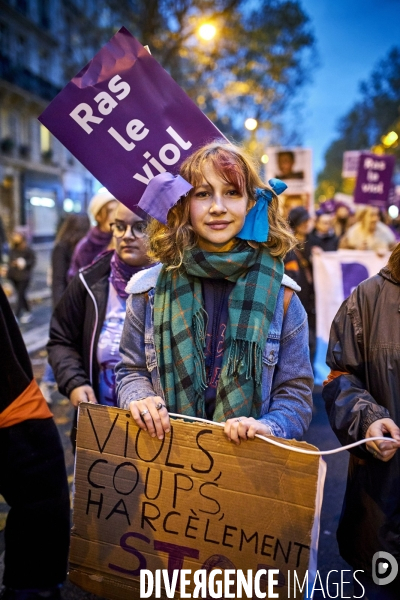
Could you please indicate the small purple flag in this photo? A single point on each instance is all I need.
(374, 179)
(126, 120)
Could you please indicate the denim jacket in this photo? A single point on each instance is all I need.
(287, 378)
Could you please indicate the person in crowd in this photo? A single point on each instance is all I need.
(394, 225)
(73, 229)
(33, 478)
(101, 210)
(362, 398)
(21, 262)
(323, 236)
(86, 324)
(344, 218)
(286, 160)
(298, 266)
(3, 239)
(215, 331)
(343, 215)
(369, 233)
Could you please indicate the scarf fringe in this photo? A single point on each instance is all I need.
(199, 334)
(248, 355)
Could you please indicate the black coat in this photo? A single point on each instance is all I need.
(365, 344)
(328, 242)
(76, 325)
(60, 262)
(16, 366)
(16, 274)
(298, 266)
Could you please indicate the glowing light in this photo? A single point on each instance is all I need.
(330, 191)
(39, 201)
(207, 31)
(265, 158)
(250, 124)
(68, 205)
(378, 150)
(393, 211)
(389, 139)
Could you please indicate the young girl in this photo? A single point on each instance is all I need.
(206, 331)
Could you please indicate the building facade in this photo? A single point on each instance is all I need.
(42, 45)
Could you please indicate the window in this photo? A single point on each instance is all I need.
(44, 63)
(45, 141)
(22, 6)
(4, 39)
(44, 13)
(20, 50)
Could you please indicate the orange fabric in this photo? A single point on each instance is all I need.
(333, 374)
(292, 265)
(287, 296)
(28, 405)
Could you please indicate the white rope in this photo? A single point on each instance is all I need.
(294, 448)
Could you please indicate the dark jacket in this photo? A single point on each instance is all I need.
(15, 363)
(76, 325)
(298, 266)
(365, 344)
(16, 274)
(60, 262)
(328, 242)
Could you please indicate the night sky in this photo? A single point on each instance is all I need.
(352, 36)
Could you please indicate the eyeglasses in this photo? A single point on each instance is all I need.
(138, 229)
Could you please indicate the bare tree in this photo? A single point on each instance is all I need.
(262, 53)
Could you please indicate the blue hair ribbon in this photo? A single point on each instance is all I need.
(256, 225)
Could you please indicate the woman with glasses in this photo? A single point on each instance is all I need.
(87, 322)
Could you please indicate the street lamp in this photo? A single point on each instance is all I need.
(251, 124)
(207, 31)
(389, 139)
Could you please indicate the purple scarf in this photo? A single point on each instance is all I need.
(121, 274)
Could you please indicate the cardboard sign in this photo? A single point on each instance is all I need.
(351, 159)
(374, 178)
(126, 120)
(191, 501)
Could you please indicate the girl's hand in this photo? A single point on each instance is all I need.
(245, 428)
(151, 414)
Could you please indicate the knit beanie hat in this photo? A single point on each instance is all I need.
(100, 199)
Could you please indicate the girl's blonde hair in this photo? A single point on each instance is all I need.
(168, 243)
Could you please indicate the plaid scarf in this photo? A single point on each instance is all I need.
(180, 326)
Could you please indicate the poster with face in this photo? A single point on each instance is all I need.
(294, 167)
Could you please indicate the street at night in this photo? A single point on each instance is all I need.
(199, 245)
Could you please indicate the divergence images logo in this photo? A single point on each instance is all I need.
(384, 568)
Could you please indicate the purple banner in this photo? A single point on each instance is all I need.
(126, 120)
(374, 179)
